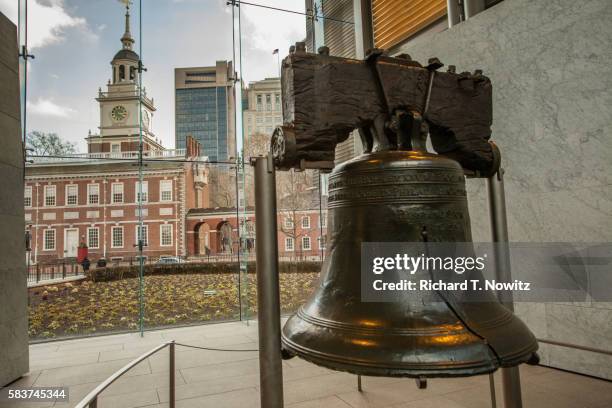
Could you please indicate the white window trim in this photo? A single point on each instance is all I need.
(89, 187)
(88, 238)
(145, 190)
(45, 239)
(113, 145)
(50, 187)
(161, 190)
(68, 186)
(146, 235)
(161, 235)
(27, 193)
(321, 242)
(309, 244)
(113, 237)
(287, 240)
(307, 225)
(113, 193)
(288, 223)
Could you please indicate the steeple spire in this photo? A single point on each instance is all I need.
(127, 39)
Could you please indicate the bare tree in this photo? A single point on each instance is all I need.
(222, 182)
(48, 144)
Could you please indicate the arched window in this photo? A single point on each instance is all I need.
(225, 238)
(132, 73)
(114, 74)
(121, 72)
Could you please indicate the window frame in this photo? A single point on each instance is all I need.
(289, 248)
(161, 235)
(161, 191)
(46, 188)
(54, 233)
(27, 194)
(307, 224)
(89, 194)
(306, 239)
(76, 196)
(118, 228)
(113, 201)
(288, 223)
(145, 191)
(321, 239)
(145, 242)
(89, 231)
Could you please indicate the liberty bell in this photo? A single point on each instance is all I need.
(396, 191)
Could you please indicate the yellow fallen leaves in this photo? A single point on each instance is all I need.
(91, 307)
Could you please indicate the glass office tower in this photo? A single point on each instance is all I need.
(204, 109)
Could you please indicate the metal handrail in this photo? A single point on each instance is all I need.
(575, 346)
(91, 400)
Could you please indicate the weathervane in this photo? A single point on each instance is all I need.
(126, 2)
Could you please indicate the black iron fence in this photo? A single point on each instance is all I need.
(53, 271)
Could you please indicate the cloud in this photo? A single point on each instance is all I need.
(269, 29)
(10, 9)
(46, 107)
(48, 21)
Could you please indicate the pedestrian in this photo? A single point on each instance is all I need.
(86, 264)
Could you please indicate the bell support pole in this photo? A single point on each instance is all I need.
(511, 380)
(268, 297)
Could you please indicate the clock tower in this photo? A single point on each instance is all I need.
(125, 108)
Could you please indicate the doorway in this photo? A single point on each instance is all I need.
(71, 242)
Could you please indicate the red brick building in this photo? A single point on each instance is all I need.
(94, 200)
(214, 231)
(103, 198)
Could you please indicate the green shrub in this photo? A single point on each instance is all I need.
(111, 273)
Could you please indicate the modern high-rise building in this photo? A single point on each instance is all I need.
(264, 110)
(205, 109)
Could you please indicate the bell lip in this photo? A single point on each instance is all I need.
(441, 371)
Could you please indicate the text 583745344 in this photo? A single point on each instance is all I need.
(34, 394)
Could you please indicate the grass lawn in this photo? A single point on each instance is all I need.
(86, 308)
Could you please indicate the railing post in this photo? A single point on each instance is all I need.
(268, 302)
(63, 269)
(511, 380)
(172, 398)
(37, 273)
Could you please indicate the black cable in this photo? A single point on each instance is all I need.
(316, 16)
(213, 348)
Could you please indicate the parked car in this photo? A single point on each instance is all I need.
(169, 260)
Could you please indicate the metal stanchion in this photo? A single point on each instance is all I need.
(511, 381)
(454, 16)
(268, 298)
(172, 398)
(492, 391)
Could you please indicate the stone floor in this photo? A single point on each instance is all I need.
(230, 379)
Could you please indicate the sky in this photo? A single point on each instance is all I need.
(73, 42)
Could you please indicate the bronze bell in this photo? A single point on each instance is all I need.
(390, 196)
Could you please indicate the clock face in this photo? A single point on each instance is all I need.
(119, 113)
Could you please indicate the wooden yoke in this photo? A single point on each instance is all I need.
(393, 102)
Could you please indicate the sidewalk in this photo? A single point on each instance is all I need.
(220, 379)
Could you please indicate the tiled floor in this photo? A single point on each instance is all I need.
(220, 379)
